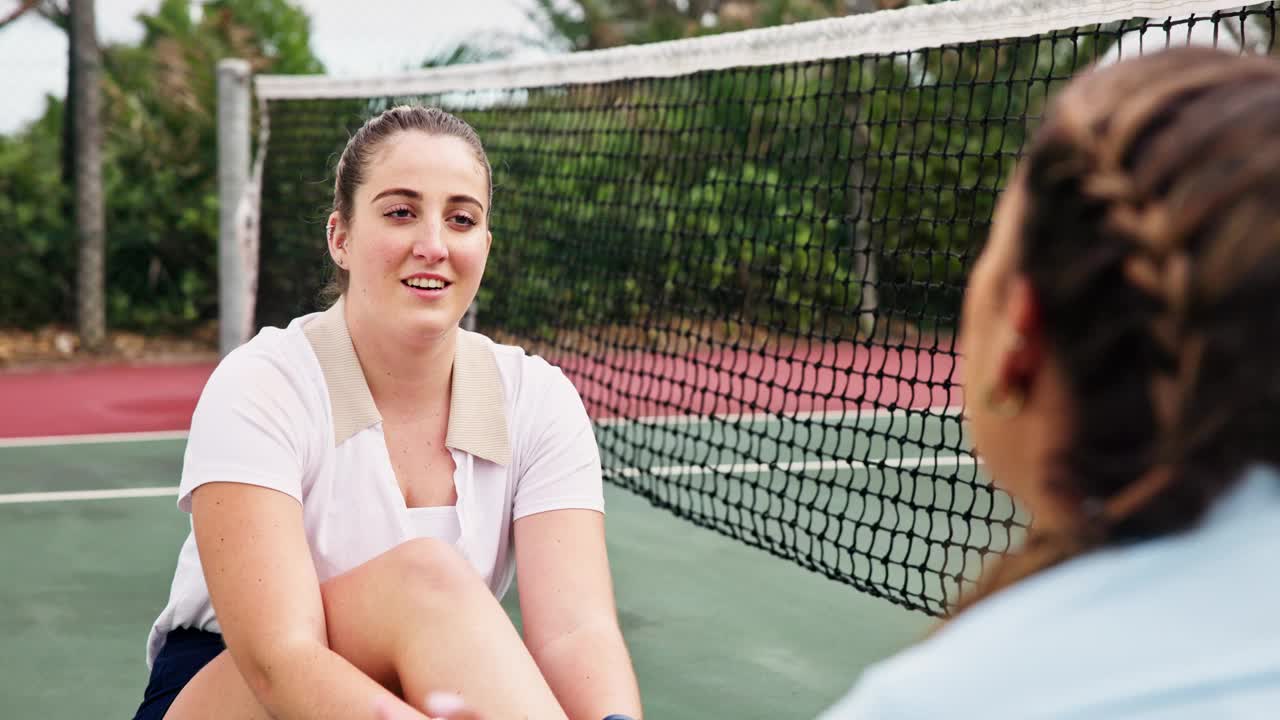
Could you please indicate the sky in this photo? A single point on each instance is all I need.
(33, 53)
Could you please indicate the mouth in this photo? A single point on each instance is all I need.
(426, 286)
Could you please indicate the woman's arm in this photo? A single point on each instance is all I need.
(266, 595)
(567, 608)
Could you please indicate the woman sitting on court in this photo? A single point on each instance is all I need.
(1122, 366)
(364, 484)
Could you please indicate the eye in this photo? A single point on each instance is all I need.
(399, 212)
(463, 219)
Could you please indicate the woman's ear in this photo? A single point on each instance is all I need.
(1022, 351)
(336, 237)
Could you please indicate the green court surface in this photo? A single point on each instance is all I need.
(716, 629)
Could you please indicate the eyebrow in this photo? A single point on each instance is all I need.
(411, 194)
(466, 199)
(415, 195)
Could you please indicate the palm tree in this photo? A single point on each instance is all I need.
(82, 154)
(86, 94)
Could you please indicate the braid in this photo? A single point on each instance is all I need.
(1152, 229)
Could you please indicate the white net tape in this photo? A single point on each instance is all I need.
(912, 27)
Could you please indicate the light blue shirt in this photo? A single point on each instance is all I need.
(1177, 628)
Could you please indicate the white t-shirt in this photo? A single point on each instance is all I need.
(1184, 627)
(290, 410)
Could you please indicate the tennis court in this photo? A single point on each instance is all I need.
(717, 629)
(748, 257)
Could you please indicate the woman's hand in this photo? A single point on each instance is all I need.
(442, 706)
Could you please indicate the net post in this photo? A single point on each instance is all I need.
(233, 175)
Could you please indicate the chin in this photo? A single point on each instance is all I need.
(428, 322)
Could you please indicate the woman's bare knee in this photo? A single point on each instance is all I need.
(374, 609)
(435, 570)
(451, 633)
(421, 596)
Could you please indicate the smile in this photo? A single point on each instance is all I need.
(426, 283)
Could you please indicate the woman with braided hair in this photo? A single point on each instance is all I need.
(1121, 337)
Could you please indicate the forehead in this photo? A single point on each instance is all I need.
(426, 163)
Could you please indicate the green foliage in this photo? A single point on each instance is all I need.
(596, 24)
(281, 33)
(159, 170)
(37, 257)
(747, 196)
(683, 200)
(710, 221)
(297, 193)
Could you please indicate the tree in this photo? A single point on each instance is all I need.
(158, 167)
(86, 94)
(57, 12)
(82, 155)
(596, 24)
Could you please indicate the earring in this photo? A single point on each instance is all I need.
(1006, 404)
(328, 232)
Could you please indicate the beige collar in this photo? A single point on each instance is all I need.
(477, 420)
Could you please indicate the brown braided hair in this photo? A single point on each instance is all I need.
(1151, 238)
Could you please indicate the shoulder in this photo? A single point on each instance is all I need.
(1097, 615)
(258, 416)
(544, 409)
(994, 649)
(276, 363)
(527, 379)
(942, 663)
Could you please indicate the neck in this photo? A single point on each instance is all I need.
(412, 374)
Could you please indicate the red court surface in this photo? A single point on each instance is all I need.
(813, 378)
(834, 376)
(99, 399)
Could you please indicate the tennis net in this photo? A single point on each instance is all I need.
(748, 250)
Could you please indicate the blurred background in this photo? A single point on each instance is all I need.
(157, 286)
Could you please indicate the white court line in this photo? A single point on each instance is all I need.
(661, 471)
(68, 495)
(918, 463)
(46, 440)
(819, 415)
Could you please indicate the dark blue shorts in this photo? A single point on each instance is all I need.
(185, 651)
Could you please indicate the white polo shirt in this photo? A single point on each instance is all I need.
(290, 410)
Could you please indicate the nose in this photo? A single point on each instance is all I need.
(430, 243)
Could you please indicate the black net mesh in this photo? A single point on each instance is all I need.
(753, 276)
